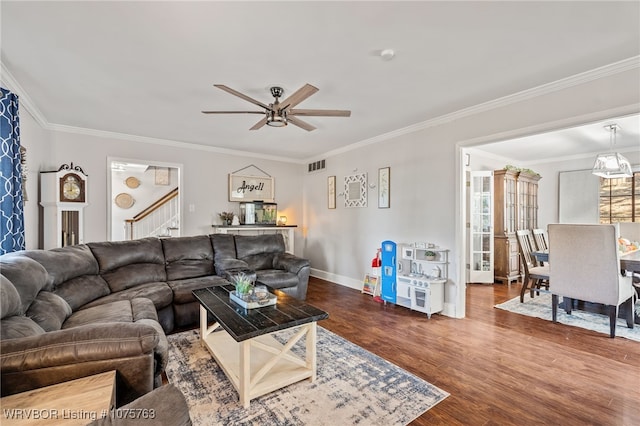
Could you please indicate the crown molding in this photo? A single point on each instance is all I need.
(628, 64)
(165, 142)
(24, 100)
(476, 144)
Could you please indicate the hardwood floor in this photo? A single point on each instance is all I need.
(500, 368)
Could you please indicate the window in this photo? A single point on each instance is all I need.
(619, 199)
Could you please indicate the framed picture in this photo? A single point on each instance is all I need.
(331, 192)
(384, 186)
(370, 284)
(162, 176)
(251, 188)
(355, 190)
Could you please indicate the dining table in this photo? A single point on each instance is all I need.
(629, 261)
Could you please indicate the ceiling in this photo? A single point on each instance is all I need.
(574, 142)
(146, 69)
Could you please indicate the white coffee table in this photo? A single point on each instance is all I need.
(242, 343)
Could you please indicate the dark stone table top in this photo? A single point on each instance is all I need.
(243, 324)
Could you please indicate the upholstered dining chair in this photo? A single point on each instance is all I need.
(585, 265)
(535, 276)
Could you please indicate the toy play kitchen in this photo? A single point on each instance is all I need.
(413, 275)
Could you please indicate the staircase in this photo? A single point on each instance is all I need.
(160, 219)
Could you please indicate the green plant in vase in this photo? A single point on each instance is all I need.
(227, 217)
(430, 255)
(243, 284)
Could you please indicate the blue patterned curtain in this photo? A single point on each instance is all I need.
(11, 203)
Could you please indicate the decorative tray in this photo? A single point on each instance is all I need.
(253, 304)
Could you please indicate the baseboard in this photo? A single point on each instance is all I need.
(338, 279)
(448, 310)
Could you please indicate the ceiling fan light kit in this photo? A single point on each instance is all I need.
(279, 114)
(275, 120)
(612, 165)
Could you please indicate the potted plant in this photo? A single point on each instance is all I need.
(244, 285)
(226, 217)
(429, 255)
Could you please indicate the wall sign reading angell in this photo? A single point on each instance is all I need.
(251, 188)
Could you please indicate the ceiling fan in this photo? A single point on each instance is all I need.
(280, 113)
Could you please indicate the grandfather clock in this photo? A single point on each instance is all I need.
(63, 197)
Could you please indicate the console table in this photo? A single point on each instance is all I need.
(285, 230)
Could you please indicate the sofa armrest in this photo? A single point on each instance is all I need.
(76, 345)
(165, 405)
(30, 362)
(229, 264)
(289, 262)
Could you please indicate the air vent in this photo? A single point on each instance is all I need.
(317, 165)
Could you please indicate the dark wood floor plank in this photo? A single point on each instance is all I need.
(500, 368)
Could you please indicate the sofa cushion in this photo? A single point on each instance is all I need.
(182, 289)
(124, 264)
(49, 311)
(224, 246)
(132, 275)
(81, 290)
(115, 312)
(258, 251)
(224, 253)
(63, 264)
(158, 292)
(19, 326)
(188, 257)
(277, 278)
(27, 276)
(10, 303)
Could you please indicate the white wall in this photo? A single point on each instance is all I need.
(39, 150)
(343, 241)
(426, 179)
(204, 183)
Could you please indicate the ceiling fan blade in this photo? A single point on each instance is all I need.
(321, 112)
(300, 95)
(302, 124)
(240, 95)
(259, 124)
(233, 112)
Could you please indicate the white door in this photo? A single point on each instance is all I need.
(481, 227)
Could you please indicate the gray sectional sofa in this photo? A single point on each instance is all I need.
(80, 310)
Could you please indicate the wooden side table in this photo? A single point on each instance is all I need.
(76, 402)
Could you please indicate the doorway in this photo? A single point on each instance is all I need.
(144, 199)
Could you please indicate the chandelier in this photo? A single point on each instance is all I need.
(612, 164)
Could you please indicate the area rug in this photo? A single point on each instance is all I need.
(353, 387)
(540, 307)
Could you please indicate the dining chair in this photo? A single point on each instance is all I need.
(535, 276)
(585, 265)
(540, 237)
